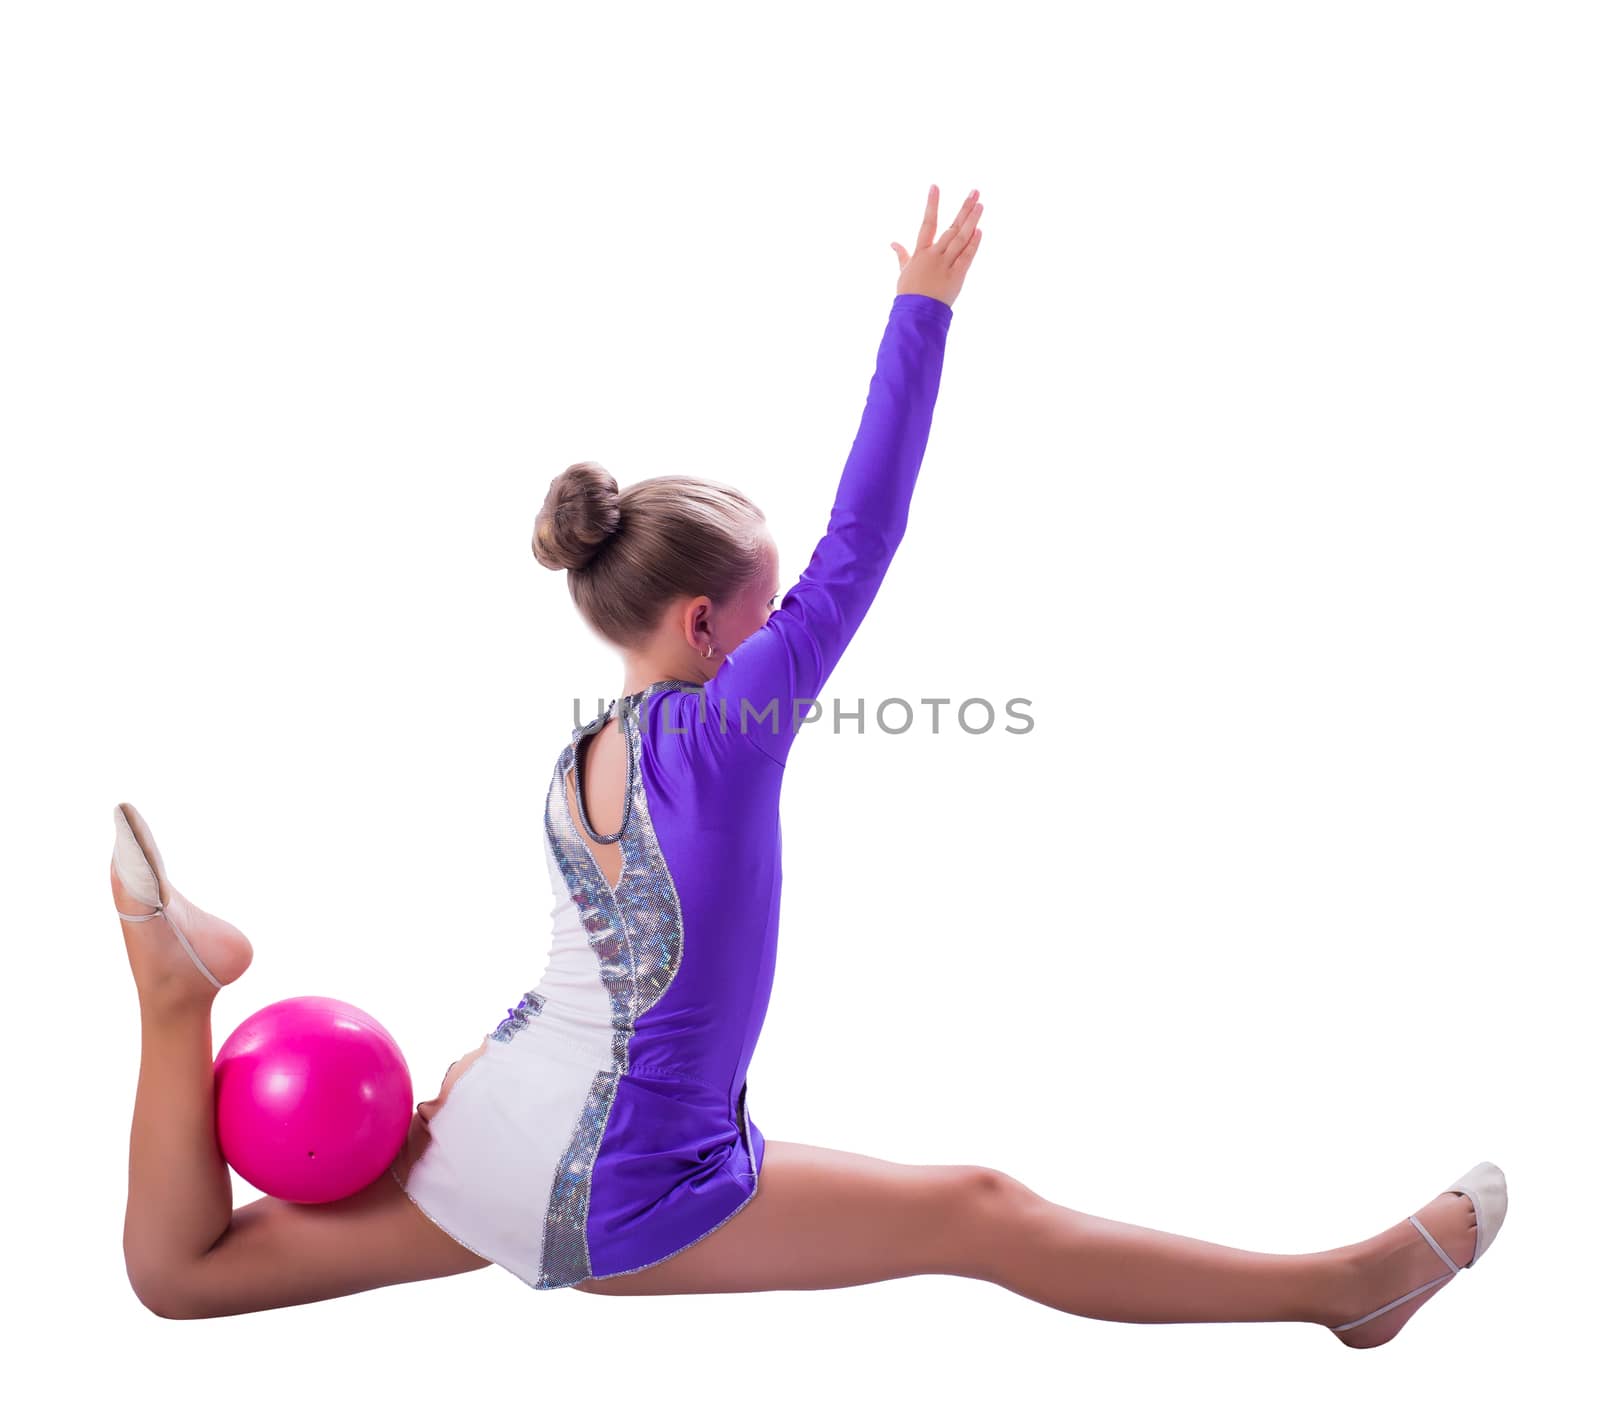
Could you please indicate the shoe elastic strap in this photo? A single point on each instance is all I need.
(173, 924)
(1421, 1288)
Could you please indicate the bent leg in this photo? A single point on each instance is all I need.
(189, 1253)
(826, 1219)
(275, 1254)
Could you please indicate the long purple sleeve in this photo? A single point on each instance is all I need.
(760, 694)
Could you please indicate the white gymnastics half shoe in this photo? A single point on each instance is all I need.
(138, 866)
(1485, 1186)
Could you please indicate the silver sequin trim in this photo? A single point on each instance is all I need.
(565, 1260)
(636, 932)
(519, 1017)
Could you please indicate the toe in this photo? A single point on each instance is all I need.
(1472, 1227)
(1457, 1228)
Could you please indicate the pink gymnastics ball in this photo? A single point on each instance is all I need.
(313, 1099)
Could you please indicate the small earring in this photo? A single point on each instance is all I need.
(710, 648)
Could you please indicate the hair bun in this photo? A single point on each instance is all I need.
(581, 511)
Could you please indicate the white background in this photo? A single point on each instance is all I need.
(1263, 465)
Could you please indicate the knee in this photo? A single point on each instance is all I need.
(158, 1301)
(157, 1292)
(985, 1210)
(984, 1189)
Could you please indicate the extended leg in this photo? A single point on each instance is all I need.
(826, 1219)
(832, 1219)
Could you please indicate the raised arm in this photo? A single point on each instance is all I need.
(763, 688)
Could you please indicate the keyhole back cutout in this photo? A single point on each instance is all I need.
(616, 778)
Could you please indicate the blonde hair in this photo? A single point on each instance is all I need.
(628, 553)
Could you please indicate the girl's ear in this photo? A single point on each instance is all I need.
(697, 620)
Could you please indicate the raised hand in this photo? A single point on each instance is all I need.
(937, 269)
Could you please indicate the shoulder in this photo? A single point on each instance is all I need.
(712, 730)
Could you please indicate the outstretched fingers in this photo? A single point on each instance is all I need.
(958, 236)
(940, 272)
(930, 219)
(969, 250)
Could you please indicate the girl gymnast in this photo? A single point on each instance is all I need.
(599, 1138)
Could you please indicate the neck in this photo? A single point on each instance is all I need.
(636, 679)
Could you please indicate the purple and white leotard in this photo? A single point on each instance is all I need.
(603, 1125)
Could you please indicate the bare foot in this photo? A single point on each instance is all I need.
(1400, 1259)
(158, 959)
